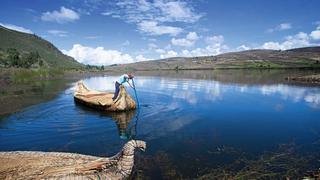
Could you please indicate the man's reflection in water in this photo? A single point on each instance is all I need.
(126, 123)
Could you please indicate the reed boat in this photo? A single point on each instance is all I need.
(103, 100)
(70, 166)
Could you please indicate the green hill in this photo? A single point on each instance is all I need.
(307, 57)
(27, 50)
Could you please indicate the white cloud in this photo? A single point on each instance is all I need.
(151, 16)
(152, 46)
(98, 55)
(169, 54)
(299, 40)
(176, 11)
(190, 39)
(215, 46)
(140, 57)
(315, 35)
(160, 51)
(194, 52)
(243, 48)
(215, 39)
(280, 27)
(107, 13)
(58, 33)
(167, 47)
(62, 16)
(16, 28)
(152, 40)
(92, 37)
(159, 10)
(284, 26)
(152, 28)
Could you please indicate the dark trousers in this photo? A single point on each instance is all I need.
(117, 89)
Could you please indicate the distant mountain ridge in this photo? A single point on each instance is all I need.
(24, 43)
(307, 57)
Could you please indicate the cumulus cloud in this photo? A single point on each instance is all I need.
(315, 35)
(98, 55)
(152, 46)
(243, 47)
(17, 28)
(63, 16)
(299, 40)
(58, 33)
(168, 54)
(215, 39)
(190, 39)
(140, 57)
(280, 27)
(160, 51)
(153, 28)
(215, 46)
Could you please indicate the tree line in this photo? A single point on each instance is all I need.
(13, 58)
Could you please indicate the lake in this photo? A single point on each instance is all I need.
(197, 124)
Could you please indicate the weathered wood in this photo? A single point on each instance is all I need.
(56, 165)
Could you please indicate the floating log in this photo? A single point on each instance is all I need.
(58, 165)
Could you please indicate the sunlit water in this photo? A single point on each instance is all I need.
(191, 125)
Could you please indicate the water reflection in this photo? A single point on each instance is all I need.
(196, 91)
(311, 95)
(126, 121)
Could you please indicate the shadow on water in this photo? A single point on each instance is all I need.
(126, 121)
(16, 96)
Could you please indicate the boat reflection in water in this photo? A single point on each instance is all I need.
(126, 121)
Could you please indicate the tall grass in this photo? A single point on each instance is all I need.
(21, 75)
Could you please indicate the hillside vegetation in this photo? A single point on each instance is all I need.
(308, 57)
(24, 50)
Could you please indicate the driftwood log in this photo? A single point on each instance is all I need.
(56, 165)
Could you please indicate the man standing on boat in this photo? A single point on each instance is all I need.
(123, 79)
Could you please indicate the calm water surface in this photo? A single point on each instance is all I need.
(193, 127)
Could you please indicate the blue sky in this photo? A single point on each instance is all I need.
(108, 32)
